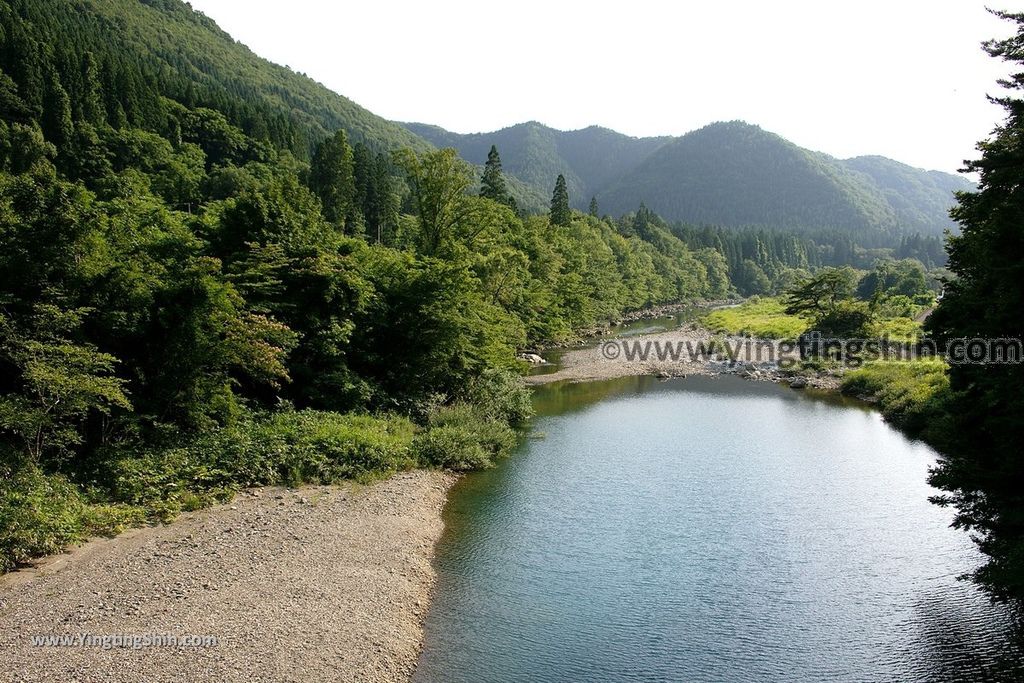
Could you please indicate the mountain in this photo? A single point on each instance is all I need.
(149, 56)
(148, 50)
(589, 158)
(738, 174)
(731, 174)
(921, 199)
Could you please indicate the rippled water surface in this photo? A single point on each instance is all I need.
(708, 530)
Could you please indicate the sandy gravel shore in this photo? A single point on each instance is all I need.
(608, 359)
(315, 584)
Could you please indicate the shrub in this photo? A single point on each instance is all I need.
(289, 448)
(847, 319)
(325, 447)
(462, 437)
(39, 514)
(501, 396)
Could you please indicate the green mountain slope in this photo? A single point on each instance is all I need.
(921, 199)
(163, 48)
(738, 174)
(731, 174)
(589, 158)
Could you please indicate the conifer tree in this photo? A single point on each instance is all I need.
(93, 110)
(593, 207)
(492, 182)
(57, 123)
(560, 212)
(332, 178)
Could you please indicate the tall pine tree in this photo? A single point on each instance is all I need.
(492, 182)
(561, 214)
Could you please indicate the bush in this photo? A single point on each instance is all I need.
(311, 446)
(501, 396)
(461, 437)
(39, 514)
(453, 448)
(43, 513)
(289, 448)
(847, 319)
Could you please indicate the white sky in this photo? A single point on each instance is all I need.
(902, 78)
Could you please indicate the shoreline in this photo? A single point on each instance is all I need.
(320, 582)
(594, 363)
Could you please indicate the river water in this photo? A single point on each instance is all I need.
(708, 529)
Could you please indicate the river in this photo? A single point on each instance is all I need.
(708, 529)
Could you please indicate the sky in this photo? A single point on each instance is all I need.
(906, 79)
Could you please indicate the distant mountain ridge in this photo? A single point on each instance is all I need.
(727, 173)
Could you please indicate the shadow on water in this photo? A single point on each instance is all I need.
(954, 630)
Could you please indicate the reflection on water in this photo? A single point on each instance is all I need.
(708, 529)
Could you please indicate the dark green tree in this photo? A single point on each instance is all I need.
(561, 214)
(92, 107)
(492, 182)
(57, 122)
(983, 475)
(332, 178)
(592, 210)
(821, 294)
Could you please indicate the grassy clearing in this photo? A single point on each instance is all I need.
(899, 329)
(758, 317)
(767, 318)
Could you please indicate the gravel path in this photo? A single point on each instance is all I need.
(315, 584)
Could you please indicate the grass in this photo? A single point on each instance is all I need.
(898, 329)
(767, 318)
(913, 395)
(757, 317)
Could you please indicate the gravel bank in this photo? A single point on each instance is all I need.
(321, 583)
(754, 359)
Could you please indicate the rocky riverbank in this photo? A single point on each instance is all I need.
(682, 352)
(320, 583)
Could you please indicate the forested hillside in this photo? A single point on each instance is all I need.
(196, 294)
(144, 51)
(920, 199)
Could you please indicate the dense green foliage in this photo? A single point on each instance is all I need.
(983, 477)
(886, 301)
(121, 61)
(188, 307)
(843, 303)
